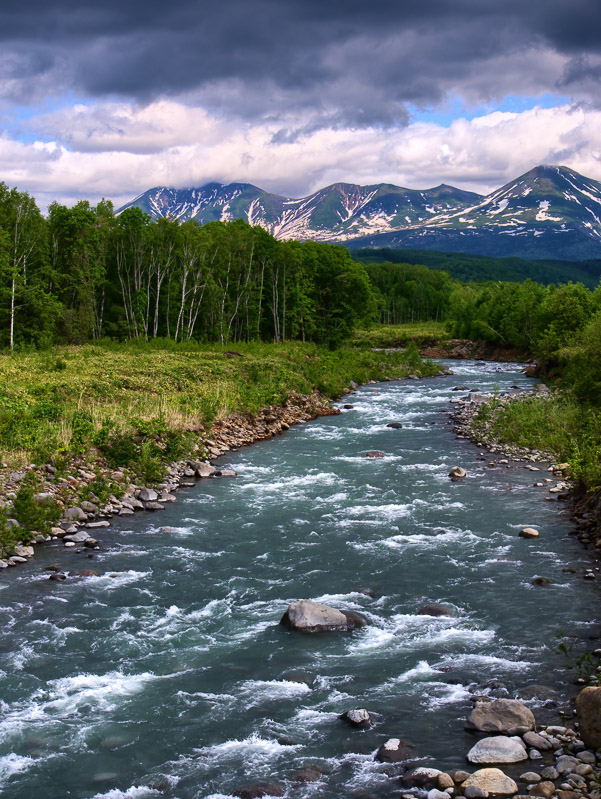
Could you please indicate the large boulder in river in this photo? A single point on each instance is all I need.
(506, 716)
(394, 751)
(457, 473)
(313, 617)
(588, 707)
(491, 780)
(498, 749)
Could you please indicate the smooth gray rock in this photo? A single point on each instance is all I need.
(566, 764)
(77, 538)
(537, 741)
(95, 525)
(147, 495)
(89, 507)
(498, 749)
(75, 515)
(12, 524)
(458, 473)
(588, 707)
(308, 616)
(501, 715)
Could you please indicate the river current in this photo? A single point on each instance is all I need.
(168, 675)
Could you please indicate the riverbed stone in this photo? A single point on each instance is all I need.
(75, 514)
(444, 781)
(203, 469)
(529, 532)
(530, 776)
(549, 773)
(457, 473)
(308, 774)
(545, 789)
(537, 741)
(491, 780)
(498, 749)
(23, 551)
(473, 792)
(501, 715)
(147, 495)
(76, 538)
(421, 777)
(566, 764)
(311, 617)
(358, 717)
(394, 750)
(89, 507)
(588, 707)
(435, 793)
(374, 453)
(395, 425)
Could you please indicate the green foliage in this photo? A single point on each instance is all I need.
(584, 665)
(32, 514)
(10, 536)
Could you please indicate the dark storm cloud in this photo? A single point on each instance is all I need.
(353, 63)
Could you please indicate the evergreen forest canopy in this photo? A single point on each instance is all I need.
(82, 273)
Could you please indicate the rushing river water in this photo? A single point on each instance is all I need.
(170, 669)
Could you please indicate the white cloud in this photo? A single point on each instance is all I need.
(118, 150)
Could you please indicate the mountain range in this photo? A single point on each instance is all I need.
(549, 212)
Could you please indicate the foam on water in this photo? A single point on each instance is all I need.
(134, 792)
(13, 764)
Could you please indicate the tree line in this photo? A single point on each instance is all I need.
(83, 273)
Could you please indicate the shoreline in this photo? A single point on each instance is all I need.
(83, 519)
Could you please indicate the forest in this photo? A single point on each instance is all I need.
(82, 274)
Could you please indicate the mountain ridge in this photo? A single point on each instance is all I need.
(548, 212)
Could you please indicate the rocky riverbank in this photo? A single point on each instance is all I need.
(469, 422)
(84, 515)
(465, 349)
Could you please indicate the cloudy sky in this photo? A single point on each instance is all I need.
(111, 98)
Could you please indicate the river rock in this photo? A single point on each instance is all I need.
(89, 507)
(226, 473)
(546, 789)
(491, 780)
(530, 776)
(374, 453)
(88, 573)
(394, 750)
(434, 609)
(308, 774)
(444, 781)
(435, 793)
(260, 789)
(357, 717)
(395, 425)
(313, 617)
(147, 495)
(152, 505)
(537, 741)
(498, 749)
(76, 538)
(23, 551)
(566, 764)
(421, 777)
(12, 524)
(96, 525)
(75, 514)
(204, 470)
(588, 707)
(501, 715)
(473, 792)
(529, 532)
(541, 581)
(457, 473)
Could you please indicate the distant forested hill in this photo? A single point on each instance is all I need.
(468, 267)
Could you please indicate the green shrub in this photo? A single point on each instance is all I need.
(33, 515)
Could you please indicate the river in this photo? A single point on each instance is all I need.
(168, 674)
